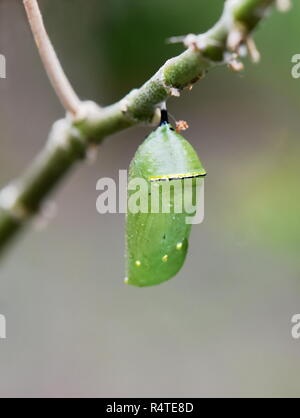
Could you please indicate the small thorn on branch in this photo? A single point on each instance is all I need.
(174, 92)
(196, 42)
(235, 64)
(236, 37)
(9, 202)
(252, 50)
(240, 42)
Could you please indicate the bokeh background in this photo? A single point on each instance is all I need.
(222, 327)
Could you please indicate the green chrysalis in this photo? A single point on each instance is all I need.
(157, 243)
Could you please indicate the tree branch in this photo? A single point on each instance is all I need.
(56, 74)
(70, 139)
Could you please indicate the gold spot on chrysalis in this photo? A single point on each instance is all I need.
(179, 246)
(165, 258)
(138, 263)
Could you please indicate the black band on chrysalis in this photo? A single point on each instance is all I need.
(164, 117)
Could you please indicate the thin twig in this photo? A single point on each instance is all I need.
(59, 81)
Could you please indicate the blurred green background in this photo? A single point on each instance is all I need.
(222, 327)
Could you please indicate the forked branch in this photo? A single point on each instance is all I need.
(71, 138)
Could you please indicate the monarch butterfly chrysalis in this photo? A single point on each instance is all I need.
(157, 243)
